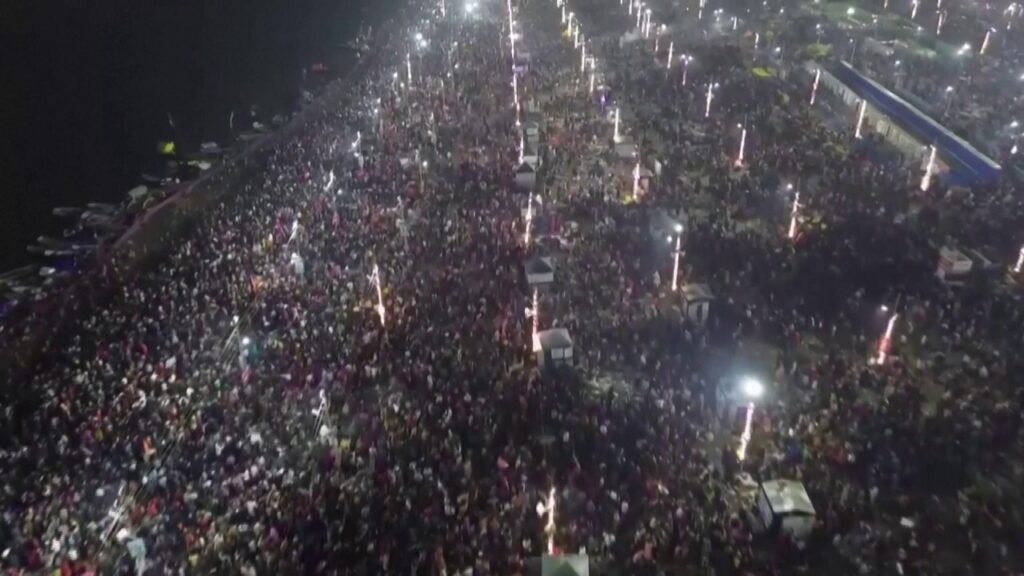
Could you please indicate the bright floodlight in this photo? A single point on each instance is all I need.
(752, 387)
(850, 11)
(246, 341)
(678, 227)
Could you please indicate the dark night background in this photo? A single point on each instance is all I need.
(87, 87)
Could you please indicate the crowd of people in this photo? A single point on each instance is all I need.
(333, 373)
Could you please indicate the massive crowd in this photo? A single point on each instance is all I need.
(263, 403)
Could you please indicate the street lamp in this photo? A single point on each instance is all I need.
(675, 265)
(743, 145)
(860, 118)
(707, 105)
(752, 389)
(814, 89)
(926, 180)
(885, 344)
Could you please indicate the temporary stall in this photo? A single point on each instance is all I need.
(553, 348)
(530, 154)
(540, 272)
(697, 302)
(532, 130)
(785, 508)
(646, 177)
(954, 265)
(625, 147)
(526, 176)
(565, 565)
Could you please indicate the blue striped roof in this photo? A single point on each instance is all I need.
(967, 165)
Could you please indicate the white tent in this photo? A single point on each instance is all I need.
(953, 264)
(553, 347)
(565, 565)
(785, 507)
(526, 176)
(697, 302)
(539, 272)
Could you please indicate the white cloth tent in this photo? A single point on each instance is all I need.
(785, 507)
(553, 347)
(526, 176)
(697, 302)
(539, 272)
(565, 565)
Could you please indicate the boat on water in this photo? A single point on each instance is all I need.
(68, 211)
(13, 277)
(361, 43)
(101, 207)
(48, 251)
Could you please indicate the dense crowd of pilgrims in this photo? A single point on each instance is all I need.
(333, 374)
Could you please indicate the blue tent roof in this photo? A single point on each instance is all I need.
(967, 165)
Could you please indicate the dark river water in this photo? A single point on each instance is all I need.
(90, 87)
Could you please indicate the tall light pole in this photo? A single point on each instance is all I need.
(529, 222)
(707, 105)
(534, 314)
(885, 344)
(675, 264)
(984, 43)
(743, 145)
(1020, 262)
(616, 137)
(636, 180)
(548, 507)
(375, 280)
(671, 47)
(752, 389)
(860, 118)
(793, 214)
(814, 89)
(926, 180)
(686, 66)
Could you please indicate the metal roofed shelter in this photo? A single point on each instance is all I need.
(968, 166)
(526, 177)
(565, 565)
(785, 507)
(553, 348)
(540, 271)
(697, 302)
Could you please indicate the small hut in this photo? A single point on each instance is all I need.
(785, 508)
(540, 272)
(565, 565)
(526, 177)
(697, 302)
(625, 148)
(553, 348)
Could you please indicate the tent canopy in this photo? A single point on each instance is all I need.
(553, 339)
(787, 497)
(539, 266)
(568, 565)
(697, 292)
